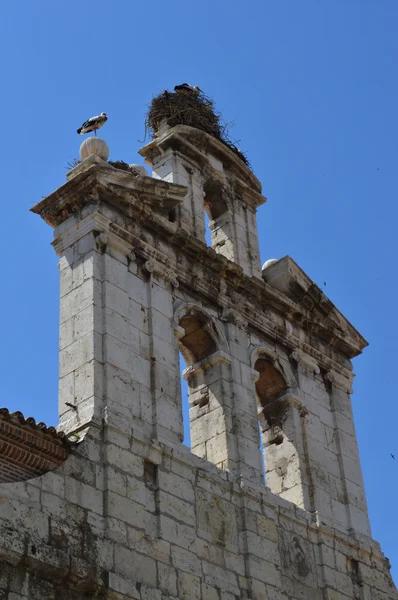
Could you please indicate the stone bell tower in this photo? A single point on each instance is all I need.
(115, 505)
(268, 368)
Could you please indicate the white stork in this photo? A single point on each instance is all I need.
(185, 87)
(93, 124)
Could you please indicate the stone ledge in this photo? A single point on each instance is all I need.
(90, 185)
(199, 145)
(143, 199)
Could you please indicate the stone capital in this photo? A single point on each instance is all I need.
(306, 361)
(219, 357)
(338, 380)
(93, 223)
(161, 271)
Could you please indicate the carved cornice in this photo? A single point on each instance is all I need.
(306, 361)
(222, 282)
(161, 271)
(196, 144)
(103, 182)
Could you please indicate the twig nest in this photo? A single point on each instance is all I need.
(194, 109)
(94, 145)
(140, 170)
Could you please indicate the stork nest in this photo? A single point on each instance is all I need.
(193, 109)
(122, 166)
(117, 164)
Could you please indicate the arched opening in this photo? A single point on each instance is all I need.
(283, 430)
(218, 219)
(207, 229)
(200, 345)
(214, 201)
(194, 346)
(197, 343)
(270, 386)
(184, 402)
(270, 383)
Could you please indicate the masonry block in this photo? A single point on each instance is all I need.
(116, 507)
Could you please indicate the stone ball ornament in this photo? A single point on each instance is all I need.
(269, 263)
(94, 145)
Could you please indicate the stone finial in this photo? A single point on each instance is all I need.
(94, 145)
(269, 262)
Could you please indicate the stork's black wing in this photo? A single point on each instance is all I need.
(89, 122)
(182, 86)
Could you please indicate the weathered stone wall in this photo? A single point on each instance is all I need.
(187, 158)
(146, 521)
(132, 513)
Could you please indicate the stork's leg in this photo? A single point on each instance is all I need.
(95, 132)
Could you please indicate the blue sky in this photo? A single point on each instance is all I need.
(312, 89)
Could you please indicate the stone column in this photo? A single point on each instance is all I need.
(356, 511)
(192, 158)
(334, 473)
(104, 371)
(252, 242)
(118, 362)
(285, 450)
(223, 236)
(81, 325)
(244, 405)
(164, 378)
(210, 414)
(173, 167)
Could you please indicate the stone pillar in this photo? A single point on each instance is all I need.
(354, 497)
(211, 419)
(244, 400)
(117, 354)
(104, 360)
(215, 178)
(334, 472)
(252, 242)
(285, 452)
(223, 237)
(81, 328)
(118, 363)
(164, 380)
(223, 413)
(173, 167)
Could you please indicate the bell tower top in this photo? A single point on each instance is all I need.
(190, 147)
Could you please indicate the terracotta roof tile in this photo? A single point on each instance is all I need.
(29, 449)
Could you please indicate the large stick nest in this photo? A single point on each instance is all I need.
(193, 109)
(117, 164)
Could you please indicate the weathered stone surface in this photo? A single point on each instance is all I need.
(132, 513)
